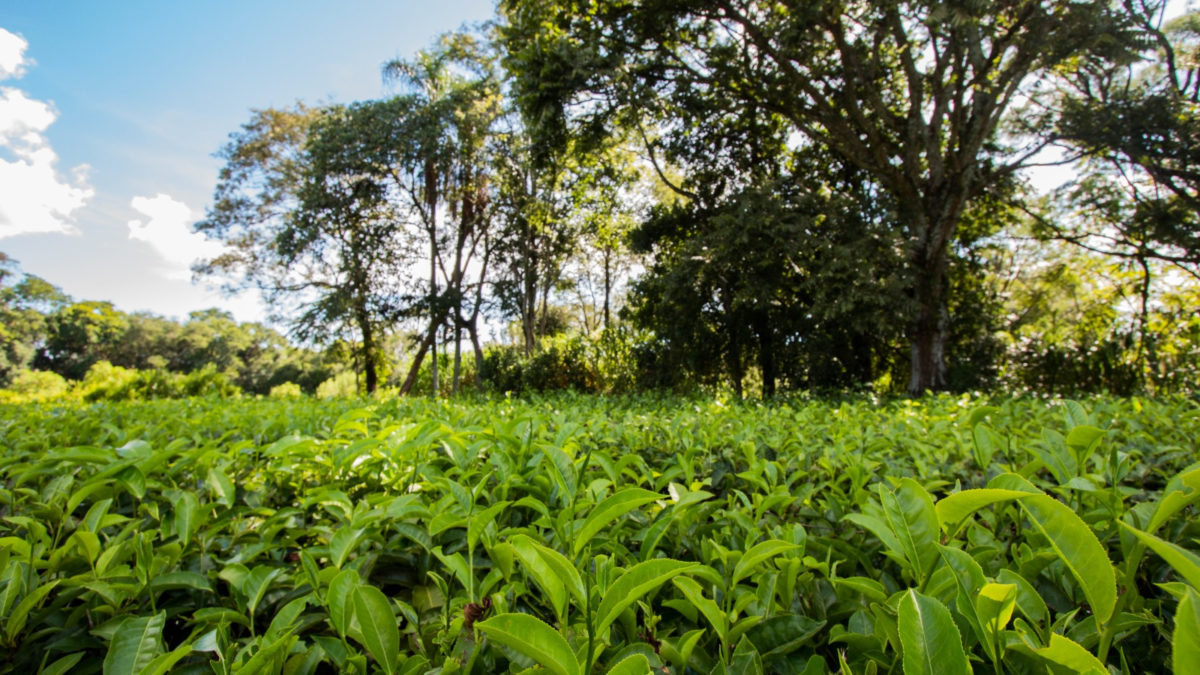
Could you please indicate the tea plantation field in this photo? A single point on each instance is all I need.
(587, 535)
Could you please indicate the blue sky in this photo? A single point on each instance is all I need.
(110, 113)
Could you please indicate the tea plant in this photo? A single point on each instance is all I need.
(586, 535)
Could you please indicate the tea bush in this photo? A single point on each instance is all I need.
(614, 535)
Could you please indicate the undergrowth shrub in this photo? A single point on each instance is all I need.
(286, 390)
(35, 386)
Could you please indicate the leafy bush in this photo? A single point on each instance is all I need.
(34, 386)
(603, 364)
(587, 534)
(286, 390)
(106, 382)
(208, 381)
(342, 385)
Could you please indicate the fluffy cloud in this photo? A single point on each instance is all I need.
(12, 55)
(168, 230)
(34, 196)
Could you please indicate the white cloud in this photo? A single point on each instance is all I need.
(12, 55)
(168, 230)
(34, 196)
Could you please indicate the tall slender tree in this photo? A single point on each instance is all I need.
(455, 93)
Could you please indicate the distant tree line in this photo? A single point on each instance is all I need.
(43, 329)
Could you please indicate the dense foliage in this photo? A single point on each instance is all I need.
(600, 535)
(45, 333)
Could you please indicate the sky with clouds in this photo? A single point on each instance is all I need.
(110, 114)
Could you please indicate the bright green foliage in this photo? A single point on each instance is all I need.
(931, 642)
(586, 535)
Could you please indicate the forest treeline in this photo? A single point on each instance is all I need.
(735, 194)
(51, 343)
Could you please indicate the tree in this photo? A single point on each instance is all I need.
(348, 235)
(307, 222)
(80, 335)
(254, 198)
(24, 304)
(793, 275)
(912, 92)
(1133, 120)
(442, 169)
(610, 200)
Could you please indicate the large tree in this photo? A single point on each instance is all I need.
(305, 225)
(912, 92)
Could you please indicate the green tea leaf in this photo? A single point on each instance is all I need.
(530, 636)
(1069, 656)
(615, 506)
(1185, 642)
(377, 621)
(987, 444)
(187, 516)
(783, 634)
(343, 543)
(220, 486)
(953, 510)
(969, 580)
(553, 572)
(285, 619)
(1083, 441)
(257, 583)
(994, 606)
(695, 595)
(1078, 548)
(137, 641)
(177, 580)
(163, 663)
(680, 651)
(478, 522)
(20, 614)
(1182, 491)
(563, 470)
(1029, 601)
(745, 659)
(758, 554)
(1183, 561)
(457, 564)
(63, 665)
(879, 528)
(912, 518)
(633, 584)
(931, 642)
(339, 600)
(634, 664)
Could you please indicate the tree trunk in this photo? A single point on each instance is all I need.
(431, 197)
(863, 369)
(766, 355)
(473, 333)
(733, 352)
(927, 340)
(418, 358)
(607, 283)
(529, 301)
(457, 359)
(473, 323)
(370, 375)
